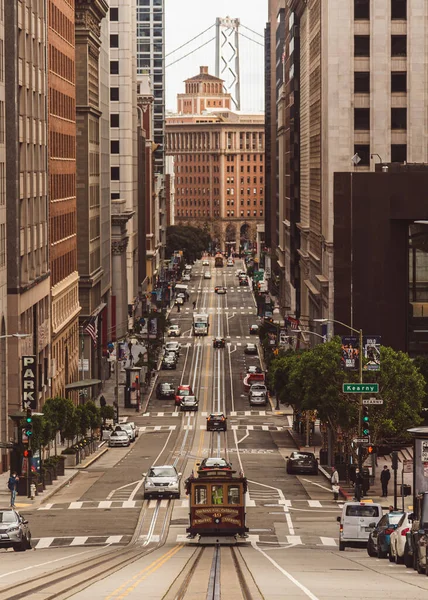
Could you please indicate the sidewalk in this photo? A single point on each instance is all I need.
(24, 503)
(375, 492)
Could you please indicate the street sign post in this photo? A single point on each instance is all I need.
(360, 388)
(372, 401)
(361, 440)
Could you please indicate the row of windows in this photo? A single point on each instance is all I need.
(2, 245)
(201, 213)
(62, 226)
(62, 105)
(231, 191)
(62, 185)
(398, 118)
(362, 82)
(2, 184)
(231, 169)
(398, 153)
(398, 45)
(196, 158)
(255, 202)
(63, 266)
(398, 9)
(60, 64)
(250, 157)
(62, 145)
(60, 23)
(1, 61)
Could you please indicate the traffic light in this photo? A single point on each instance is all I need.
(372, 449)
(366, 421)
(394, 460)
(28, 453)
(29, 423)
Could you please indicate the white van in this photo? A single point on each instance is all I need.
(355, 523)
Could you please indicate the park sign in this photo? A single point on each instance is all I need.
(29, 382)
(360, 388)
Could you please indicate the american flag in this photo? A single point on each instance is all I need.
(92, 329)
(293, 323)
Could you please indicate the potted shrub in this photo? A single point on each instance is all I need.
(70, 457)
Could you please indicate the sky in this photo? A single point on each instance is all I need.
(184, 19)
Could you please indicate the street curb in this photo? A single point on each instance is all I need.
(56, 489)
(88, 464)
(342, 492)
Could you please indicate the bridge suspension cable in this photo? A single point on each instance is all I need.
(189, 41)
(189, 53)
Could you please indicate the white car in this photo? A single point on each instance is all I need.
(174, 331)
(186, 277)
(239, 272)
(205, 263)
(118, 438)
(127, 427)
(179, 301)
(398, 539)
(230, 262)
(207, 275)
(161, 481)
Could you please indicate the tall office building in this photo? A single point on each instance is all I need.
(353, 86)
(123, 155)
(151, 60)
(219, 163)
(27, 227)
(62, 196)
(3, 273)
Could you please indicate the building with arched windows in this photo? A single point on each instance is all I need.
(218, 163)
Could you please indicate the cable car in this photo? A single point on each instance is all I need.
(216, 504)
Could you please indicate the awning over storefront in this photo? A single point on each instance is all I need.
(83, 383)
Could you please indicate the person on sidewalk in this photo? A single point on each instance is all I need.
(335, 483)
(385, 476)
(13, 486)
(194, 304)
(358, 485)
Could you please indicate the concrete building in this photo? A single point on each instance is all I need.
(90, 244)
(65, 306)
(352, 85)
(219, 163)
(170, 190)
(3, 256)
(27, 225)
(123, 156)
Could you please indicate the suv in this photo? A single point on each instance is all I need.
(14, 531)
(182, 391)
(161, 481)
(417, 538)
(173, 347)
(165, 390)
(356, 523)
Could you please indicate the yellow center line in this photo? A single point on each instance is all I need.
(147, 570)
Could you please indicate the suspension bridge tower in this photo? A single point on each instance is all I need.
(227, 57)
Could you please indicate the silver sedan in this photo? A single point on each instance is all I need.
(14, 531)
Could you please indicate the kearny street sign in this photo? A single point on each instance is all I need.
(360, 388)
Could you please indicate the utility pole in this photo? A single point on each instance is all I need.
(116, 387)
(394, 464)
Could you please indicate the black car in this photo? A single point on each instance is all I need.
(189, 403)
(379, 539)
(219, 342)
(302, 462)
(254, 329)
(169, 362)
(216, 422)
(165, 390)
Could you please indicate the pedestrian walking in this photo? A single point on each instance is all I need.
(385, 476)
(358, 485)
(194, 304)
(178, 308)
(13, 486)
(335, 483)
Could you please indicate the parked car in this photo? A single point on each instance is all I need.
(356, 523)
(161, 481)
(174, 331)
(379, 536)
(14, 531)
(182, 392)
(251, 369)
(398, 539)
(127, 427)
(258, 394)
(216, 422)
(118, 438)
(254, 329)
(207, 275)
(134, 427)
(219, 342)
(173, 347)
(250, 349)
(220, 289)
(186, 277)
(169, 361)
(302, 462)
(189, 403)
(165, 391)
(417, 538)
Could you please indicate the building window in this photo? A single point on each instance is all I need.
(115, 173)
(114, 67)
(361, 118)
(398, 118)
(114, 120)
(361, 82)
(398, 153)
(115, 196)
(114, 146)
(398, 81)
(114, 93)
(114, 14)
(114, 40)
(361, 9)
(399, 9)
(362, 45)
(363, 151)
(398, 45)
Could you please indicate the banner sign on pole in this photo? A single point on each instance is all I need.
(372, 352)
(29, 382)
(350, 358)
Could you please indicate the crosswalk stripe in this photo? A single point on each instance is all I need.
(105, 504)
(79, 541)
(314, 503)
(294, 539)
(44, 543)
(114, 539)
(128, 504)
(265, 428)
(326, 541)
(75, 505)
(45, 507)
(250, 427)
